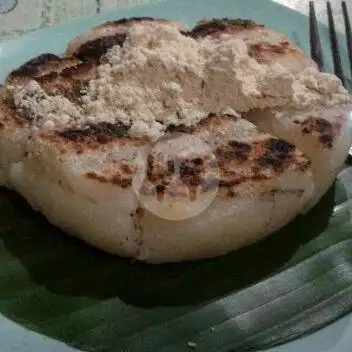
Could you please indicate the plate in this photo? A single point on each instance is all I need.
(52, 291)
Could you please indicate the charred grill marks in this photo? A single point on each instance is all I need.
(219, 25)
(233, 150)
(95, 49)
(81, 69)
(278, 152)
(70, 82)
(116, 179)
(323, 127)
(262, 51)
(191, 172)
(257, 162)
(30, 68)
(179, 128)
(130, 19)
(103, 132)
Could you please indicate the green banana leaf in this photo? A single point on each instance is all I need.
(293, 282)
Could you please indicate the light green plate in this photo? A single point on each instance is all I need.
(298, 280)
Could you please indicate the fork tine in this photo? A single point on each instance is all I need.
(315, 45)
(348, 31)
(335, 46)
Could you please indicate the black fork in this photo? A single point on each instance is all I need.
(315, 45)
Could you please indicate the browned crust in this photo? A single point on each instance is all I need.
(126, 22)
(130, 20)
(235, 163)
(179, 128)
(43, 65)
(116, 179)
(92, 137)
(93, 50)
(121, 175)
(67, 76)
(277, 154)
(103, 132)
(70, 82)
(233, 150)
(264, 52)
(262, 160)
(208, 122)
(191, 173)
(325, 130)
(32, 67)
(82, 70)
(223, 25)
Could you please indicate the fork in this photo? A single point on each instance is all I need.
(316, 50)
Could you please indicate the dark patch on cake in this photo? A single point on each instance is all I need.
(93, 50)
(324, 128)
(117, 179)
(233, 150)
(70, 82)
(127, 20)
(277, 153)
(264, 52)
(103, 132)
(179, 128)
(220, 25)
(30, 68)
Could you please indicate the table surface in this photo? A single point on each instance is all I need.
(21, 16)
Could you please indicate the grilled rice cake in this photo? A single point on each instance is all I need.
(82, 180)
(268, 165)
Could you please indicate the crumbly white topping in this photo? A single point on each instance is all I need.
(161, 77)
(45, 111)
